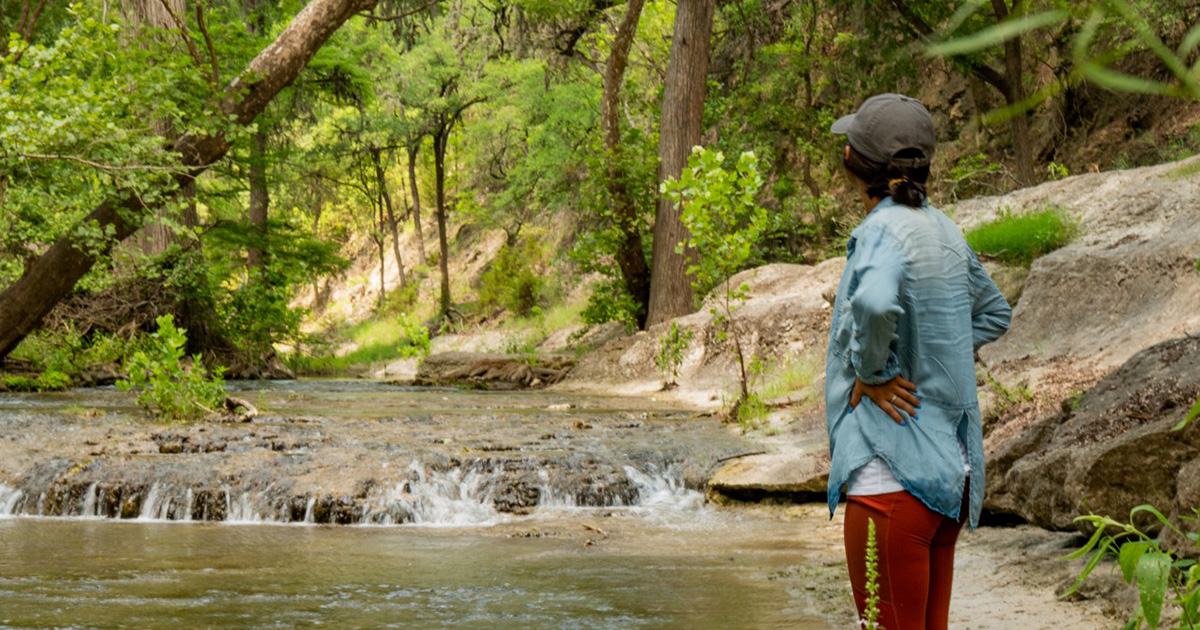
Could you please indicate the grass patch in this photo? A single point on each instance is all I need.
(1020, 238)
(376, 341)
(786, 376)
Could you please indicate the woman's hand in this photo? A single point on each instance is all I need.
(896, 394)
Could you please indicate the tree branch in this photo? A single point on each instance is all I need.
(399, 16)
(924, 32)
(106, 167)
(186, 36)
(212, 51)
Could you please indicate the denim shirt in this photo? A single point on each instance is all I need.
(913, 301)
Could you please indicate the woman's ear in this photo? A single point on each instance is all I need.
(846, 153)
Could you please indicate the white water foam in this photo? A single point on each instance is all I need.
(90, 501)
(8, 500)
(452, 498)
(663, 489)
(242, 510)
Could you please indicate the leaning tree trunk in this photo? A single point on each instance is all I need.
(50, 277)
(682, 114)
(630, 255)
(416, 195)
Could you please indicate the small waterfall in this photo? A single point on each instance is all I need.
(458, 493)
(159, 503)
(89, 500)
(242, 510)
(663, 489)
(9, 497)
(458, 496)
(550, 497)
(188, 498)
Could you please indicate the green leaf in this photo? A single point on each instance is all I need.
(1153, 570)
(1122, 82)
(1195, 408)
(1087, 569)
(1190, 41)
(1129, 556)
(995, 35)
(1082, 551)
(1146, 507)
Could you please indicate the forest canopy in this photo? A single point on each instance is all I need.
(151, 146)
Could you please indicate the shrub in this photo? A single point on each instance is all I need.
(1145, 563)
(670, 352)
(513, 281)
(1020, 238)
(167, 385)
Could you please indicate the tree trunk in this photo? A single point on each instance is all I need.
(671, 292)
(50, 277)
(439, 169)
(1014, 72)
(381, 241)
(260, 198)
(416, 195)
(392, 223)
(631, 257)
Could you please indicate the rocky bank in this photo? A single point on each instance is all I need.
(1079, 397)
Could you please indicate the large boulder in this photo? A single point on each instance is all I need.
(1128, 282)
(1111, 449)
(787, 313)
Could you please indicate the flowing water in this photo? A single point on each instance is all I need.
(466, 510)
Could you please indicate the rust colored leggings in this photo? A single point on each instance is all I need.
(916, 559)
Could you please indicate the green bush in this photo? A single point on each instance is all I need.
(513, 281)
(1020, 238)
(167, 386)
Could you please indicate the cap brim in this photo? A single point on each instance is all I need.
(842, 125)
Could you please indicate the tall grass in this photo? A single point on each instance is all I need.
(1020, 238)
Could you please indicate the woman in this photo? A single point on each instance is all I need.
(903, 415)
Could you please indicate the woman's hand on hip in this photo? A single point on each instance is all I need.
(894, 396)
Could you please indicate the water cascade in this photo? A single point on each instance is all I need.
(471, 492)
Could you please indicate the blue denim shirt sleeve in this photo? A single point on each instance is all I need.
(990, 312)
(875, 305)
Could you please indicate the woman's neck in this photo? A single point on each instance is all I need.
(870, 202)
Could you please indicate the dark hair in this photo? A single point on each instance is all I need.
(904, 184)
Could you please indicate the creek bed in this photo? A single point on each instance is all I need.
(463, 509)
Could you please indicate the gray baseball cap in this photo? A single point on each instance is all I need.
(887, 124)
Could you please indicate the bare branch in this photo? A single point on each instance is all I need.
(106, 167)
(185, 35)
(212, 51)
(399, 16)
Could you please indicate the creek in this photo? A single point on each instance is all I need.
(464, 510)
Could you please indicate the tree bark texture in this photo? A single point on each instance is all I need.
(439, 168)
(53, 275)
(1018, 124)
(671, 292)
(416, 196)
(631, 257)
(392, 222)
(260, 197)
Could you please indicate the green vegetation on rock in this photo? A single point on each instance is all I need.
(1020, 238)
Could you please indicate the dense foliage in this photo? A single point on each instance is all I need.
(423, 127)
